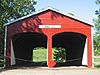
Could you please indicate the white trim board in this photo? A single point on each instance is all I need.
(5, 46)
(84, 59)
(92, 47)
(12, 55)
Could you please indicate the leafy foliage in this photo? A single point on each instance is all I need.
(59, 54)
(98, 2)
(97, 37)
(97, 32)
(40, 54)
(1, 47)
(11, 10)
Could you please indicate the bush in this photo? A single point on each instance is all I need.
(59, 54)
(1, 47)
(97, 52)
(1, 61)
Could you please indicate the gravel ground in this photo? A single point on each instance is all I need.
(51, 71)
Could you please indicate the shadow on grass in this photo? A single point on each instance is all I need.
(97, 66)
(1, 69)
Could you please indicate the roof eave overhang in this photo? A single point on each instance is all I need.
(52, 9)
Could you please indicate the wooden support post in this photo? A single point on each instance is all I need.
(50, 62)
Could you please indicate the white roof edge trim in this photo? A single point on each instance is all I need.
(74, 17)
(53, 9)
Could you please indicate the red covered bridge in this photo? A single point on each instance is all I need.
(49, 28)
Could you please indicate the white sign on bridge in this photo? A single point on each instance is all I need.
(49, 26)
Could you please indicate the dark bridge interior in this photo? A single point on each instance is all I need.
(24, 43)
(74, 44)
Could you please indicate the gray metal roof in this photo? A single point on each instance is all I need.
(49, 8)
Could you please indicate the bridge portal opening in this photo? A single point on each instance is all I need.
(24, 46)
(74, 44)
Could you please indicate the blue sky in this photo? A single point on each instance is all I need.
(84, 9)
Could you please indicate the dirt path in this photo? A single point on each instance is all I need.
(51, 71)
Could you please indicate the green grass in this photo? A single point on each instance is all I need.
(97, 66)
(96, 59)
(39, 54)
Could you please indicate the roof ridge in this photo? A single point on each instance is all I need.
(53, 9)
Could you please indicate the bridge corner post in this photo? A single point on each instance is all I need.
(89, 64)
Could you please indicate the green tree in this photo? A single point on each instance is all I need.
(59, 54)
(97, 31)
(11, 10)
(97, 37)
(98, 2)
